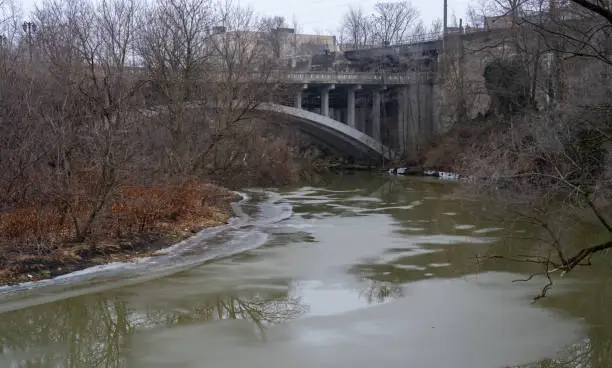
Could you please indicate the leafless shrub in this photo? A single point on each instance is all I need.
(391, 22)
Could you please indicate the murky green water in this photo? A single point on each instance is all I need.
(367, 272)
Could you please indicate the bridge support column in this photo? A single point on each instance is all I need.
(417, 119)
(325, 99)
(404, 132)
(427, 118)
(350, 113)
(376, 115)
(299, 95)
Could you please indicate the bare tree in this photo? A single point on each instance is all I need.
(391, 22)
(478, 11)
(275, 34)
(356, 29)
(436, 26)
(244, 74)
(176, 52)
(86, 46)
(421, 32)
(18, 136)
(102, 109)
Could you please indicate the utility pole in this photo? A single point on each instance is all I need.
(29, 28)
(445, 25)
(443, 56)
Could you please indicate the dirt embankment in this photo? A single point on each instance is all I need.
(446, 152)
(37, 241)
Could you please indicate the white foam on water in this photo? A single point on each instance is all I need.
(410, 267)
(487, 230)
(464, 227)
(438, 265)
(414, 228)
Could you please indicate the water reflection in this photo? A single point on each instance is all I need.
(66, 334)
(375, 291)
(95, 331)
(591, 303)
(383, 279)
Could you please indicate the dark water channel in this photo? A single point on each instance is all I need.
(363, 271)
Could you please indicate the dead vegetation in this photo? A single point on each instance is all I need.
(113, 117)
(38, 240)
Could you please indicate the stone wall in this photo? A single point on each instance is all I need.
(580, 79)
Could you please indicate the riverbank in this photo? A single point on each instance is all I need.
(37, 243)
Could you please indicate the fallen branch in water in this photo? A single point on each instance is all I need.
(567, 264)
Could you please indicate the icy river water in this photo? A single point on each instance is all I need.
(360, 271)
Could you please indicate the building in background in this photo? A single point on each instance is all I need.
(283, 43)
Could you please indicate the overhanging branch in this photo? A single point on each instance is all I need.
(595, 9)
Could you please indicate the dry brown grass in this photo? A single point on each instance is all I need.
(34, 222)
(37, 240)
(144, 209)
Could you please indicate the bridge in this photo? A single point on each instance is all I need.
(358, 113)
(367, 115)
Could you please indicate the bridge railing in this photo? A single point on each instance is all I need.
(357, 78)
(326, 77)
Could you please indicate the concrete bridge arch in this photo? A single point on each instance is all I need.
(334, 134)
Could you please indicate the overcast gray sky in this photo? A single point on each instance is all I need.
(324, 16)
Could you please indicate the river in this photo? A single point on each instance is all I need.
(361, 271)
